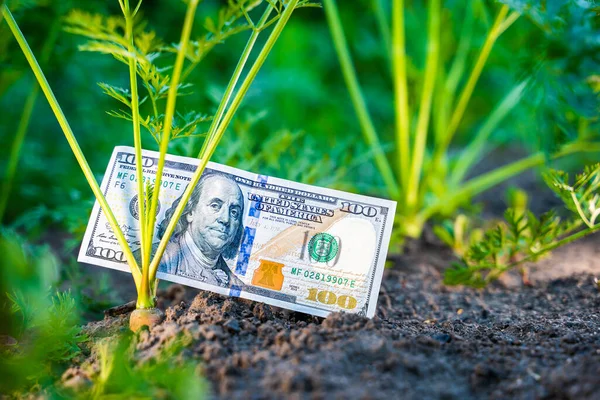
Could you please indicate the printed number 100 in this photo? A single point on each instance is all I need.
(327, 297)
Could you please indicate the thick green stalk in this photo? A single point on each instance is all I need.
(17, 145)
(169, 114)
(144, 301)
(66, 128)
(235, 77)
(483, 182)
(473, 152)
(402, 112)
(431, 65)
(444, 138)
(358, 101)
(497, 28)
(241, 93)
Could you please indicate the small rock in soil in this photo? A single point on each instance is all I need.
(442, 337)
(232, 325)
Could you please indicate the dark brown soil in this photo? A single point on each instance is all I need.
(427, 341)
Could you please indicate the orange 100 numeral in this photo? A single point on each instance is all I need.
(327, 297)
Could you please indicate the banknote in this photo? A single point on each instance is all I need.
(305, 248)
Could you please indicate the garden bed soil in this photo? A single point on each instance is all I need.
(427, 341)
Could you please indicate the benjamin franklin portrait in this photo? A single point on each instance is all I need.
(208, 232)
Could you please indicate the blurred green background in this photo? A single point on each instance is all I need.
(297, 121)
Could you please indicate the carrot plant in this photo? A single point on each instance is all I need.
(40, 331)
(126, 40)
(523, 238)
(427, 177)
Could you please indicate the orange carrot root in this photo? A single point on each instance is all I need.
(149, 317)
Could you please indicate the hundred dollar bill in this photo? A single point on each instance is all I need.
(284, 243)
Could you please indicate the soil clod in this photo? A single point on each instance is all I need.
(539, 342)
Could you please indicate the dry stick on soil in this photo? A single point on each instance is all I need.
(66, 128)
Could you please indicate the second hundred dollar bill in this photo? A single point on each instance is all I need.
(284, 243)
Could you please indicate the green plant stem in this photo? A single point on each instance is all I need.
(467, 92)
(501, 23)
(168, 122)
(17, 145)
(241, 93)
(235, 78)
(585, 182)
(190, 68)
(358, 101)
(483, 182)
(402, 112)
(455, 74)
(383, 26)
(593, 217)
(511, 19)
(431, 64)
(144, 299)
(474, 150)
(153, 102)
(66, 128)
(549, 248)
(580, 211)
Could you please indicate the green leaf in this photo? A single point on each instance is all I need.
(117, 93)
(582, 197)
(461, 274)
(517, 224)
(523, 237)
